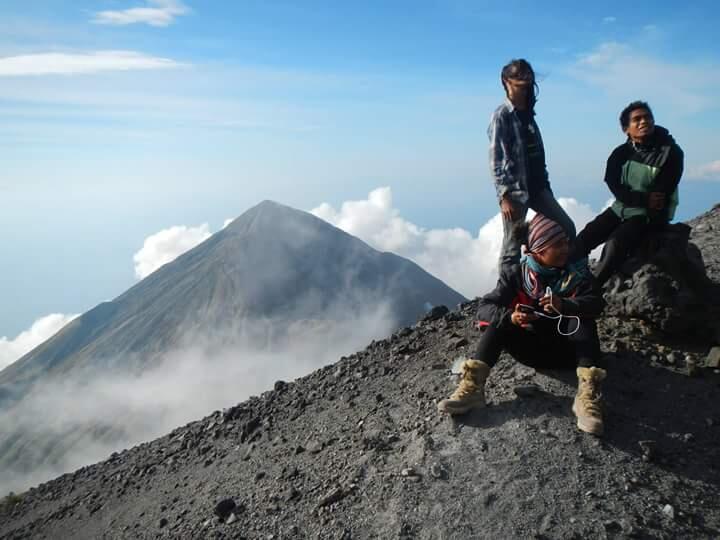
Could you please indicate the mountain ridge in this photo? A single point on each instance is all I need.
(275, 279)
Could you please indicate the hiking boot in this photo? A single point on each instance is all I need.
(588, 400)
(470, 393)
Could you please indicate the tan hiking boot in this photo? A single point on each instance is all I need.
(470, 393)
(588, 400)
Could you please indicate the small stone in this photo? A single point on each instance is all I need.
(163, 522)
(709, 422)
(713, 358)
(224, 508)
(438, 471)
(314, 447)
(232, 518)
(688, 437)
(669, 511)
(648, 449)
(331, 497)
(407, 472)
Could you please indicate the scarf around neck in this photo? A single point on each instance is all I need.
(562, 281)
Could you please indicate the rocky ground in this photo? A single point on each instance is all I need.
(358, 450)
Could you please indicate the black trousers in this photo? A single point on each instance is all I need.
(621, 237)
(542, 347)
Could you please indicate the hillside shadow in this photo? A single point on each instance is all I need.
(677, 413)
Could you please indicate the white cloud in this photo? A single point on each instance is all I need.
(41, 330)
(80, 63)
(609, 20)
(626, 74)
(465, 262)
(162, 13)
(707, 171)
(165, 246)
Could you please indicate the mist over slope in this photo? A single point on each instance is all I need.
(278, 292)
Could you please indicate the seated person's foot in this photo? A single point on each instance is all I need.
(588, 401)
(470, 393)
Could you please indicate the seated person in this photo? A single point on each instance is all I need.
(522, 317)
(643, 173)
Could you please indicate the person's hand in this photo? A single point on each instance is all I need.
(551, 303)
(656, 200)
(509, 209)
(522, 319)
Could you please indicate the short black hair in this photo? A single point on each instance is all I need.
(625, 114)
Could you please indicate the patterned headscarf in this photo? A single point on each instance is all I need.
(543, 232)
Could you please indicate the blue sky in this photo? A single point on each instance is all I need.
(116, 124)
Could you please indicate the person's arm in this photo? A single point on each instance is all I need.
(506, 186)
(670, 173)
(587, 302)
(494, 307)
(613, 178)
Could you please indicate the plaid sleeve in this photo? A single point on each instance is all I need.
(498, 156)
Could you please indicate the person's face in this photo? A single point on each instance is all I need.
(641, 125)
(517, 89)
(555, 255)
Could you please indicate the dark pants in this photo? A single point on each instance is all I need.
(542, 347)
(621, 237)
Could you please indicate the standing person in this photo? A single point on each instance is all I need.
(522, 316)
(643, 173)
(517, 159)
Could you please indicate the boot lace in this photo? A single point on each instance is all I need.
(590, 397)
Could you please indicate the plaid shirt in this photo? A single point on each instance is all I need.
(508, 155)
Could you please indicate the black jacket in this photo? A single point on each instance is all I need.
(496, 307)
(661, 151)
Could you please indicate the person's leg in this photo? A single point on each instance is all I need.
(470, 392)
(493, 341)
(586, 345)
(510, 250)
(619, 245)
(587, 404)
(544, 203)
(597, 231)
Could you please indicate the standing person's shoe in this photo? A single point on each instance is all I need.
(470, 393)
(588, 400)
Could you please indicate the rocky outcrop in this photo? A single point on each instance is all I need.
(666, 285)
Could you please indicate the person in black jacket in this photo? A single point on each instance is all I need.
(543, 313)
(643, 173)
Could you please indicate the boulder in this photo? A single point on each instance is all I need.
(665, 284)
